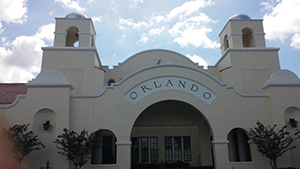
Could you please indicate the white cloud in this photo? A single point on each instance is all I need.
(159, 18)
(189, 7)
(184, 23)
(1, 29)
(124, 23)
(19, 63)
(201, 18)
(21, 58)
(71, 4)
(192, 28)
(133, 3)
(143, 39)
(296, 41)
(13, 11)
(46, 32)
(156, 31)
(198, 59)
(4, 41)
(145, 36)
(97, 19)
(193, 32)
(195, 37)
(283, 20)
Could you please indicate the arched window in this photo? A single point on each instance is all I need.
(105, 152)
(72, 36)
(247, 37)
(110, 81)
(291, 115)
(226, 44)
(238, 147)
(47, 136)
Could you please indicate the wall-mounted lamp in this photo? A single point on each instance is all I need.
(46, 125)
(293, 122)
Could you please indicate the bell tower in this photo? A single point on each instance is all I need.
(241, 31)
(74, 54)
(246, 62)
(74, 28)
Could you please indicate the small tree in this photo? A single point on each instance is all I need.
(272, 142)
(22, 142)
(76, 147)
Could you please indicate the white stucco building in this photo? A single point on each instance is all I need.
(158, 106)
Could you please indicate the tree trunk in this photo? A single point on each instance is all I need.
(18, 163)
(273, 163)
(77, 167)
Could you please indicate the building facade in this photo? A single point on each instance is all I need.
(158, 106)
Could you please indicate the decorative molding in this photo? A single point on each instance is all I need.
(50, 78)
(164, 83)
(245, 49)
(123, 143)
(60, 33)
(282, 77)
(84, 33)
(157, 50)
(103, 165)
(241, 163)
(6, 106)
(238, 21)
(234, 34)
(220, 142)
(169, 65)
(71, 48)
(92, 49)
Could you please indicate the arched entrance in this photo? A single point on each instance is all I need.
(171, 133)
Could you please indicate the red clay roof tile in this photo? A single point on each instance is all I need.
(9, 92)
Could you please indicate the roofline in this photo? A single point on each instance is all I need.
(151, 50)
(94, 49)
(80, 19)
(246, 49)
(237, 20)
(227, 86)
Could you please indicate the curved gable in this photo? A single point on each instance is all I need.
(150, 57)
(145, 59)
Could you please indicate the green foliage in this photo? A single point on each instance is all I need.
(272, 142)
(22, 141)
(76, 147)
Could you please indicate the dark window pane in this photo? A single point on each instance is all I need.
(168, 149)
(153, 149)
(144, 149)
(135, 150)
(187, 149)
(177, 149)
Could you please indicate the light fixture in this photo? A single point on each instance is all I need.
(46, 125)
(293, 122)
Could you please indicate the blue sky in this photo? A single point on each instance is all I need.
(126, 27)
